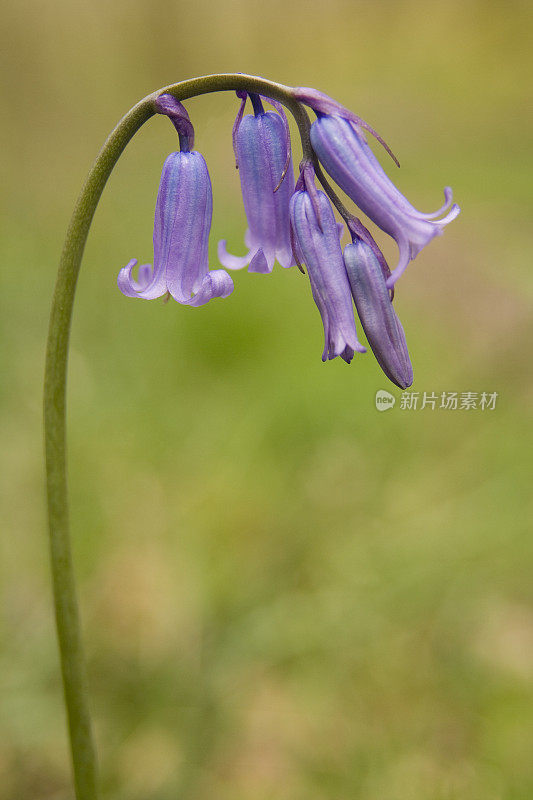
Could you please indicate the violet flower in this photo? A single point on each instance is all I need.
(316, 243)
(263, 154)
(339, 141)
(181, 231)
(367, 274)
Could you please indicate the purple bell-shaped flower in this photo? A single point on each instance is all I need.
(263, 154)
(317, 245)
(181, 231)
(339, 141)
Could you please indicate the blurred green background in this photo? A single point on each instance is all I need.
(285, 593)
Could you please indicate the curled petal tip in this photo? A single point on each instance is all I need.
(448, 198)
(217, 283)
(403, 262)
(230, 261)
(148, 286)
(454, 212)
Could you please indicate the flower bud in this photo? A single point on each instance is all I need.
(375, 310)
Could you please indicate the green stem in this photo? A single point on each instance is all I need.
(65, 600)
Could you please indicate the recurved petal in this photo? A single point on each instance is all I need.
(146, 287)
(230, 261)
(217, 283)
(144, 276)
(378, 317)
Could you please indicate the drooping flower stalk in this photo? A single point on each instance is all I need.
(180, 268)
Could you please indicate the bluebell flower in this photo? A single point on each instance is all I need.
(367, 274)
(181, 231)
(263, 154)
(338, 138)
(317, 245)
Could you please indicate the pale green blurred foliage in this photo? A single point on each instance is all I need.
(285, 594)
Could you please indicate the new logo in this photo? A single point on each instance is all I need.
(384, 400)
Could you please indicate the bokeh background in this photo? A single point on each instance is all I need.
(285, 593)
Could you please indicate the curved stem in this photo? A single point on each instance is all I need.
(65, 600)
(251, 84)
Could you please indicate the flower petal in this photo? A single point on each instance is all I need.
(261, 263)
(217, 283)
(230, 261)
(146, 287)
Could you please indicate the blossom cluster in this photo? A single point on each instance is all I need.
(293, 223)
